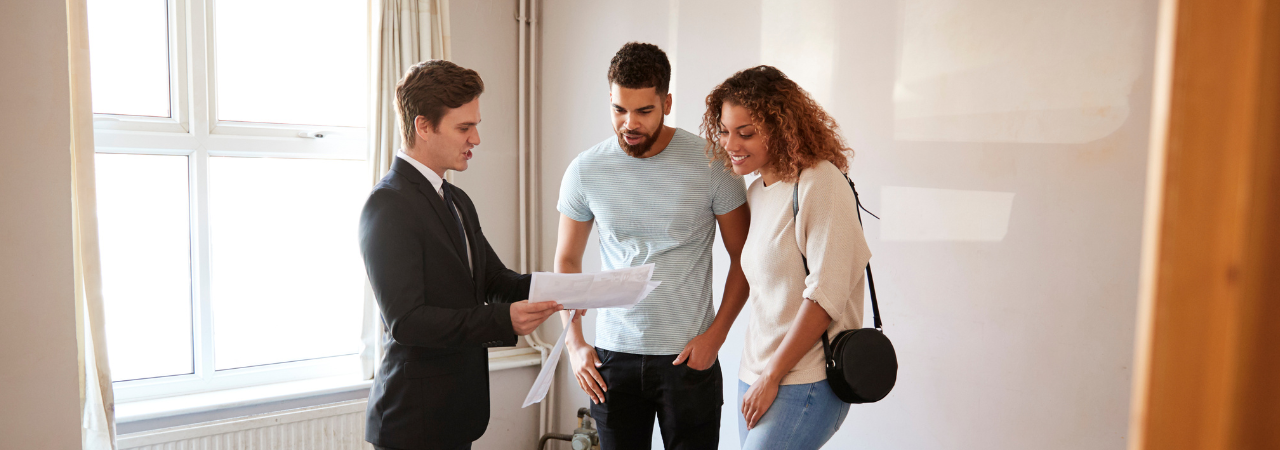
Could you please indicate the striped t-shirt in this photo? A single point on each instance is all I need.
(659, 210)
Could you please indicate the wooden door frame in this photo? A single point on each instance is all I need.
(1206, 374)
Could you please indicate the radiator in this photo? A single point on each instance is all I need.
(336, 426)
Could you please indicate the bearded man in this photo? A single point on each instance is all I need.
(656, 200)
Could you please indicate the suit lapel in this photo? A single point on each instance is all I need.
(467, 217)
(446, 219)
(467, 213)
(437, 205)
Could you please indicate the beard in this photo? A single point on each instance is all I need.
(638, 150)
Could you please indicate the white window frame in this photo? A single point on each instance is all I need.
(193, 131)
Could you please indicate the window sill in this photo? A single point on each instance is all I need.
(145, 410)
(233, 398)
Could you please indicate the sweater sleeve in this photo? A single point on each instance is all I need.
(827, 228)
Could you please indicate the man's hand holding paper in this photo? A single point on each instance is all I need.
(525, 316)
(621, 288)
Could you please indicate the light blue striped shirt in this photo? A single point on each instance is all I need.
(659, 210)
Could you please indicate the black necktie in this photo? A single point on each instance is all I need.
(457, 220)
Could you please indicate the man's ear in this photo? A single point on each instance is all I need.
(666, 105)
(422, 128)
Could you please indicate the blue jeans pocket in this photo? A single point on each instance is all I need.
(802, 416)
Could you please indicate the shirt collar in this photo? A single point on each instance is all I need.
(436, 181)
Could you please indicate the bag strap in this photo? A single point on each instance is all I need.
(871, 284)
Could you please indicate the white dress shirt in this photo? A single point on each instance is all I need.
(438, 184)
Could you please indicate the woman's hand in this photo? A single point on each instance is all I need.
(811, 321)
(758, 399)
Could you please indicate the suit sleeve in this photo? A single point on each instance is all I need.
(502, 285)
(391, 241)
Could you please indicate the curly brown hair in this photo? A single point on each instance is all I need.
(797, 132)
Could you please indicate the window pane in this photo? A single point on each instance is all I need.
(145, 240)
(129, 56)
(292, 61)
(288, 281)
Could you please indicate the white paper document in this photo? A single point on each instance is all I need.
(621, 288)
(543, 382)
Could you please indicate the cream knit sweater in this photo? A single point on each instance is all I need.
(828, 231)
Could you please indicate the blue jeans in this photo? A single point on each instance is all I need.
(802, 417)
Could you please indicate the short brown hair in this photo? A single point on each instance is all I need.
(429, 87)
(797, 132)
(638, 65)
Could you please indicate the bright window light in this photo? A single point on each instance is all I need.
(145, 244)
(291, 61)
(221, 272)
(287, 278)
(129, 54)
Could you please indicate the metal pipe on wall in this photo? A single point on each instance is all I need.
(535, 156)
(534, 190)
(528, 175)
(522, 20)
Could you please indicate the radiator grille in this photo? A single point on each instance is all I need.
(337, 426)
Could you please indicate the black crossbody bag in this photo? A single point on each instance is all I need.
(862, 366)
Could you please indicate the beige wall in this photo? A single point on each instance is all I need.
(1020, 127)
(40, 394)
(485, 39)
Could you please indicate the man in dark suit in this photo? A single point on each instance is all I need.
(444, 295)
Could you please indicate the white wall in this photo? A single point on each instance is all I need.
(1004, 141)
(38, 369)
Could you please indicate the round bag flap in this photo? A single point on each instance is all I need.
(871, 367)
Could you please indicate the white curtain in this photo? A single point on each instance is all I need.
(404, 33)
(97, 403)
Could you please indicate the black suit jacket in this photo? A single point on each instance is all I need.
(432, 388)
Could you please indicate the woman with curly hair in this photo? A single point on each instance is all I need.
(759, 120)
